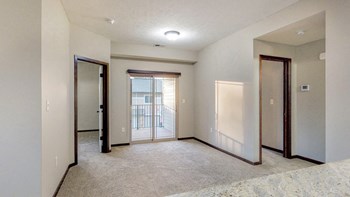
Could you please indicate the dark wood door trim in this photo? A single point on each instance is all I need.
(105, 134)
(287, 104)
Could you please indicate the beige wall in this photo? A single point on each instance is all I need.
(41, 136)
(281, 50)
(20, 100)
(88, 95)
(337, 80)
(35, 66)
(230, 59)
(55, 85)
(119, 94)
(310, 138)
(154, 52)
(229, 111)
(272, 104)
(87, 44)
(308, 109)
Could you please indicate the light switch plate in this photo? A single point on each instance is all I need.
(47, 105)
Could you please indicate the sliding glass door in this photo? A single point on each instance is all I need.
(153, 108)
(141, 108)
(165, 108)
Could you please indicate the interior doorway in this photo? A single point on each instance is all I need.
(91, 103)
(275, 104)
(153, 107)
(305, 42)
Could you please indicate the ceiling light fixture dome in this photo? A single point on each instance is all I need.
(110, 21)
(172, 35)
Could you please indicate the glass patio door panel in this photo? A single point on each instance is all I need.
(165, 108)
(142, 108)
(153, 108)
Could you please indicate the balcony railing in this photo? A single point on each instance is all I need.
(141, 116)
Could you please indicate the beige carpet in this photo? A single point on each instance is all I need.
(161, 169)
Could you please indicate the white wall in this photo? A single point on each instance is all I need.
(272, 104)
(55, 85)
(87, 44)
(229, 111)
(281, 50)
(154, 52)
(308, 109)
(337, 80)
(20, 99)
(36, 66)
(88, 95)
(119, 93)
(310, 139)
(231, 59)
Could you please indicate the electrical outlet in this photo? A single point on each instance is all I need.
(211, 130)
(123, 129)
(47, 105)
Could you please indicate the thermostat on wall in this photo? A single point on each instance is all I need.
(305, 88)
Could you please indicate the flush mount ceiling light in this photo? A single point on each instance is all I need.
(300, 32)
(110, 21)
(172, 35)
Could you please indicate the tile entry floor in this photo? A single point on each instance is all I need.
(160, 169)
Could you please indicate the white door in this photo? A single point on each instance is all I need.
(100, 103)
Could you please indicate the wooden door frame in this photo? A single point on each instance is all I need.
(287, 97)
(105, 131)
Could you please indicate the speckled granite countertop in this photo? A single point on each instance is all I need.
(331, 179)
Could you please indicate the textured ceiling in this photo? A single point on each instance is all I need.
(314, 28)
(201, 22)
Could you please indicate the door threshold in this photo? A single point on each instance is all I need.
(154, 141)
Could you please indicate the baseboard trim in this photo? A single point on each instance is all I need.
(91, 130)
(124, 144)
(273, 149)
(62, 179)
(307, 159)
(185, 138)
(222, 150)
